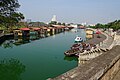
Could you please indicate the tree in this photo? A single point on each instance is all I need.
(9, 16)
(59, 23)
(115, 25)
(53, 22)
(79, 24)
(63, 24)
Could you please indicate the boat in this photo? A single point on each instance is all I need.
(77, 45)
(78, 48)
(72, 52)
(78, 39)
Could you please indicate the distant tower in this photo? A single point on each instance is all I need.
(54, 18)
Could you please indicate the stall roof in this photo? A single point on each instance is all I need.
(58, 26)
(24, 29)
(36, 28)
(98, 32)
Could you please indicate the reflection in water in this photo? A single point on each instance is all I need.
(45, 59)
(7, 44)
(89, 36)
(70, 58)
(22, 40)
(11, 69)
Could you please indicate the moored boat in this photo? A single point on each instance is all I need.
(78, 48)
(72, 52)
(77, 45)
(78, 39)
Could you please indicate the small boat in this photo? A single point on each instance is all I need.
(77, 45)
(78, 39)
(73, 52)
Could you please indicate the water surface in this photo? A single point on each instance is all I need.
(37, 59)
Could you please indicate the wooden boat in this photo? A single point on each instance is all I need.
(79, 48)
(77, 45)
(72, 52)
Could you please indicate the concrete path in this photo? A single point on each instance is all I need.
(117, 76)
(107, 42)
(96, 40)
(116, 42)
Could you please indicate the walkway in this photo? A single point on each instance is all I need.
(96, 40)
(116, 42)
(104, 41)
(117, 76)
(103, 45)
(107, 42)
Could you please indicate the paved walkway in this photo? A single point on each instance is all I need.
(116, 42)
(107, 42)
(103, 43)
(96, 40)
(117, 76)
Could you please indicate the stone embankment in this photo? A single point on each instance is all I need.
(102, 47)
(103, 67)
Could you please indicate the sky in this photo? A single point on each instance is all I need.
(71, 11)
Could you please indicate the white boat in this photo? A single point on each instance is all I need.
(78, 39)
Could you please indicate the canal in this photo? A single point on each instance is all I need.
(38, 58)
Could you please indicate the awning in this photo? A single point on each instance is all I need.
(98, 32)
(24, 29)
(36, 28)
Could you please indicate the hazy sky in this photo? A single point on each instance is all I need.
(76, 11)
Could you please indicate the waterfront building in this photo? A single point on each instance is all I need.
(74, 25)
(81, 27)
(89, 31)
(25, 31)
(17, 32)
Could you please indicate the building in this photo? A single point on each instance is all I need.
(74, 25)
(89, 32)
(54, 18)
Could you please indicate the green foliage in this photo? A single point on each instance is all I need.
(53, 23)
(9, 16)
(37, 24)
(63, 24)
(59, 23)
(79, 24)
(11, 69)
(115, 25)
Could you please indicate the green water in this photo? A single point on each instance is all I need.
(37, 59)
